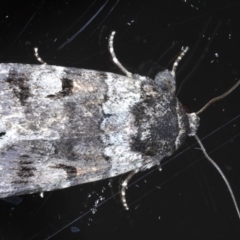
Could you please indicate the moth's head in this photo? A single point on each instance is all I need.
(166, 81)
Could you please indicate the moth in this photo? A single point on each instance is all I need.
(61, 126)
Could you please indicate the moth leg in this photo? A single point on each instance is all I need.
(179, 58)
(37, 56)
(114, 58)
(124, 186)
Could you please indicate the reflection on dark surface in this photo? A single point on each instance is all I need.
(13, 200)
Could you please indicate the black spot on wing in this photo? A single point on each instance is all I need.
(106, 97)
(51, 96)
(20, 181)
(102, 75)
(2, 134)
(25, 156)
(67, 89)
(107, 158)
(67, 86)
(70, 170)
(26, 169)
(18, 82)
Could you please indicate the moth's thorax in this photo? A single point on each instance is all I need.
(161, 122)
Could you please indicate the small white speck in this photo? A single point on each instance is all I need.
(216, 55)
(223, 110)
(101, 198)
(96, 202)
(129, 23)
(94, 210)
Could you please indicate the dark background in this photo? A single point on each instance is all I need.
(188, 199)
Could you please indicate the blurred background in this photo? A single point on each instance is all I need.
(187, 199)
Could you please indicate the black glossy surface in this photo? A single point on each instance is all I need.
(188, 199)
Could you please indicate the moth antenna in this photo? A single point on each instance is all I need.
(124, 186)
(114, 58)
(219, 97)
(221, 173)
(179, 58)
(38, 57)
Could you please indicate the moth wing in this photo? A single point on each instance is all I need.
(50, 134)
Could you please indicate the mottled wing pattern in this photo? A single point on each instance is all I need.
(50, 129)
